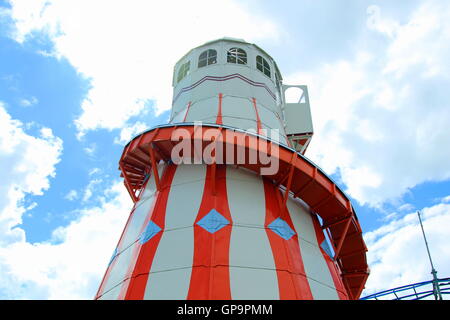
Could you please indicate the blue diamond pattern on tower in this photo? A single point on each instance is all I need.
(281, 228)
(213, 221)
(150, 231)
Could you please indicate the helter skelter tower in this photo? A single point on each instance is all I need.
(226, 205)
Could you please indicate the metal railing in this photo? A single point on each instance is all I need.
(415, 291)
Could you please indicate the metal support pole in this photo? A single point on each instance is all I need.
(344, 234)
(289, 182)
(436, 289)
(127, 183)
(155, 168)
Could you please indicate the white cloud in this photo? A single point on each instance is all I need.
(90, 189)
(406, 207)
(94, 171)
(381, 119)
(90, 150)
(381, 24)
(397, 254)
(128, 51)
(71, 265)
(28, 102)
(422, 42)
(129, 132)
(27, 163)
(71, 195)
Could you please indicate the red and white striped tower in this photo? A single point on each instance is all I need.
(226, 206)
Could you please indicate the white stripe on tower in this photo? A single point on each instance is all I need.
(252, 266)
(125, 248)
(170, 272)
(317, 271)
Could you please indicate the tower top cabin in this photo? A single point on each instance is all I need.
(237, 84)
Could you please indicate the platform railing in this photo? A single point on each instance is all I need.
(415, 291)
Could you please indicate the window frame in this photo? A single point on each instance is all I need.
(239, 55)
(265, 66)
(208, 55)
(183, 71)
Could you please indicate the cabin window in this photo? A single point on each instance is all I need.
(262, 65)
(184, 70)
(207, 57)
(237, 55)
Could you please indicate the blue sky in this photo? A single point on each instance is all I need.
(78, 79)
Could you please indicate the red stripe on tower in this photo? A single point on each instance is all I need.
(210, 278)
(219, 112)
(292, 281)
(144, 253)
(335, 274)
(258, 120)
(187, 111)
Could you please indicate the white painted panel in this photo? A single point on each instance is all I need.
(168, 285)
(315, 265)
(302, 221)
(175, 251)
(185, 196)
(203, 109)
(120, 268)
(321, 291)
(260, 93)
(238, 107)
(250, 247)
(236, 86)
(182, 100)
(133, 231)
(258, 76)
(212, 119)
(316, 269)
(179, 117)
(187, 174)
(244, 124)
(298, 118)
(253, 284)
(111, 294)
(243, 174)
(183, 204)
(249, 244)
(150, 188)
(210, 70)
(246, 197)
(269, 118)
(205, 90)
